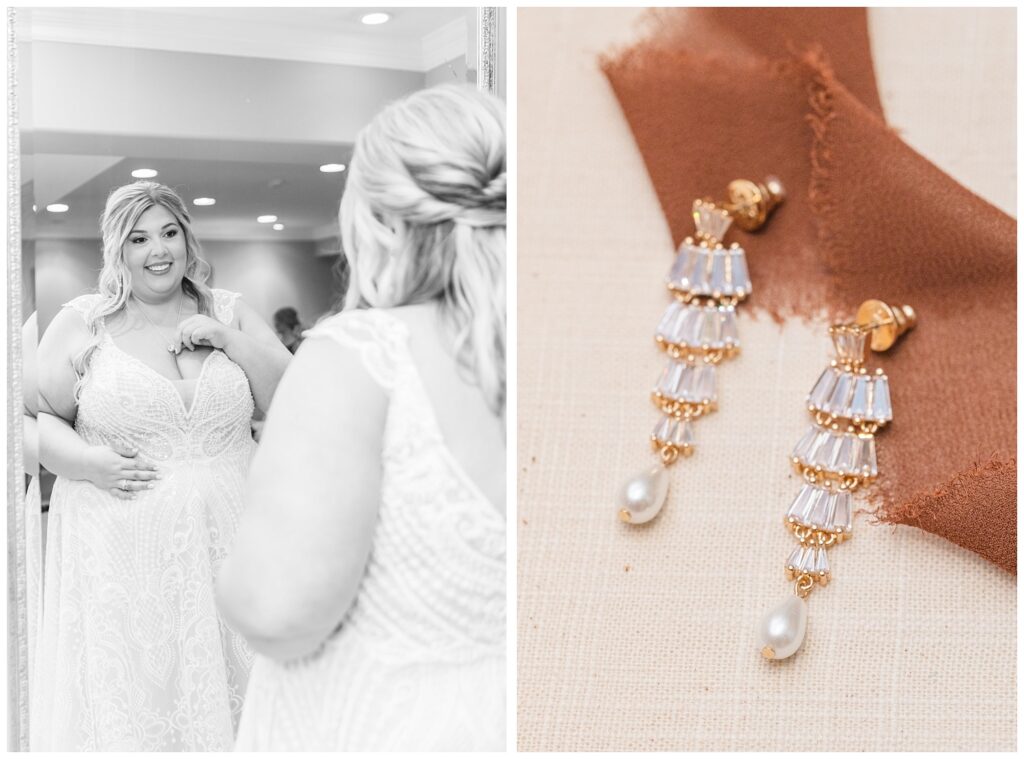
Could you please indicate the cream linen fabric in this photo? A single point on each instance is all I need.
(645, 638)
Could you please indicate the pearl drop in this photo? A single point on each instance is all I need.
(642, 496)
(782, 631)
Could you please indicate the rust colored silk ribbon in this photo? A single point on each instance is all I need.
(721, 93)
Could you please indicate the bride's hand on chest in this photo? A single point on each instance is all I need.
(202, 331)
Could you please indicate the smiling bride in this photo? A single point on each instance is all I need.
(146, 392)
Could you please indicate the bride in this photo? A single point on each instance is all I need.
(369, 568)
(146, 389)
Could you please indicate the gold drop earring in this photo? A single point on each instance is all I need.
(707, 282)
(835, 457)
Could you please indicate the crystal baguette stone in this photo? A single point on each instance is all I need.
(699, 277)
(842, 518)
(667, 326)
(670, 379)
(822, 389)
(861, 403)
(729, 334)
(740, 278)
(824, 454)
(710, 220)
(819, 514)
(820, 437)
(849, 345)
(799, 507)
(844, 458)
(868, 459)
(821, 562)
(687, 390)
(840, 397)
(803, 447)
(663, 429)
(719, 283)
(687, 326)
(881, 408)
(682, 434)
(706, 390)
(710, 329)
(681, 271)
(815, 515)
(793, 562)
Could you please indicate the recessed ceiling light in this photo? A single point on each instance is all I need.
(144, 173)
(332, 168)
(266, 219)
(372, 19)
(278, 227)
(57, 207)
(204, 201)
(34, 209)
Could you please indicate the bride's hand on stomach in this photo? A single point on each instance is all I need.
(119, 470)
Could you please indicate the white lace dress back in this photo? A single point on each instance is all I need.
(418, 663)
(133, 655)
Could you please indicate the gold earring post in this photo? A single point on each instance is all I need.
(887, 323)
(751, 203)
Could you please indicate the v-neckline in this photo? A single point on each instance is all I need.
(187, 412)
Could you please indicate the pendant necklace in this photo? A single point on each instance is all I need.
(169, 346)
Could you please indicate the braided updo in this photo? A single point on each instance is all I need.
(423, 218)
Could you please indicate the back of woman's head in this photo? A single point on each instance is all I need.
(423, 218)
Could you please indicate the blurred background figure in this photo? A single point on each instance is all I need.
(288, 327)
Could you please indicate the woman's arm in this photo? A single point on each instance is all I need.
(311, 505)
(61, 449)
(29, 394)
(253, 346)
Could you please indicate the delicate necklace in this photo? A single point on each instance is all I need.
(170, 345)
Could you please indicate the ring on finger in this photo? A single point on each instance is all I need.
(124, 484)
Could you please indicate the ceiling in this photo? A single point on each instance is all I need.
(414, 39)
(270, 168)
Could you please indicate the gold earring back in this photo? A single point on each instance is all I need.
(751, 203)
(887, 323)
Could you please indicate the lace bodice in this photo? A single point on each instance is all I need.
(435, 583)
(139, 406)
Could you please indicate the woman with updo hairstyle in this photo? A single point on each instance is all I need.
(369, 569)
(146, 388)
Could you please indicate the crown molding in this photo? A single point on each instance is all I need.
(444, 44)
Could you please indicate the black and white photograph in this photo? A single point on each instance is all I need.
(259, 344)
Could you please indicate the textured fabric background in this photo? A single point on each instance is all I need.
(645, 638)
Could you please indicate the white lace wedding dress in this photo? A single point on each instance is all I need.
(133, 656)
(418, 663)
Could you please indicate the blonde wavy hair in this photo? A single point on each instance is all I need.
(124, 207)
(423, 218)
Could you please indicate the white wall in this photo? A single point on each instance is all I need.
(158, 93)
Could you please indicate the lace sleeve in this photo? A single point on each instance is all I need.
(83, 304)
(374, 335)
(224, 305)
